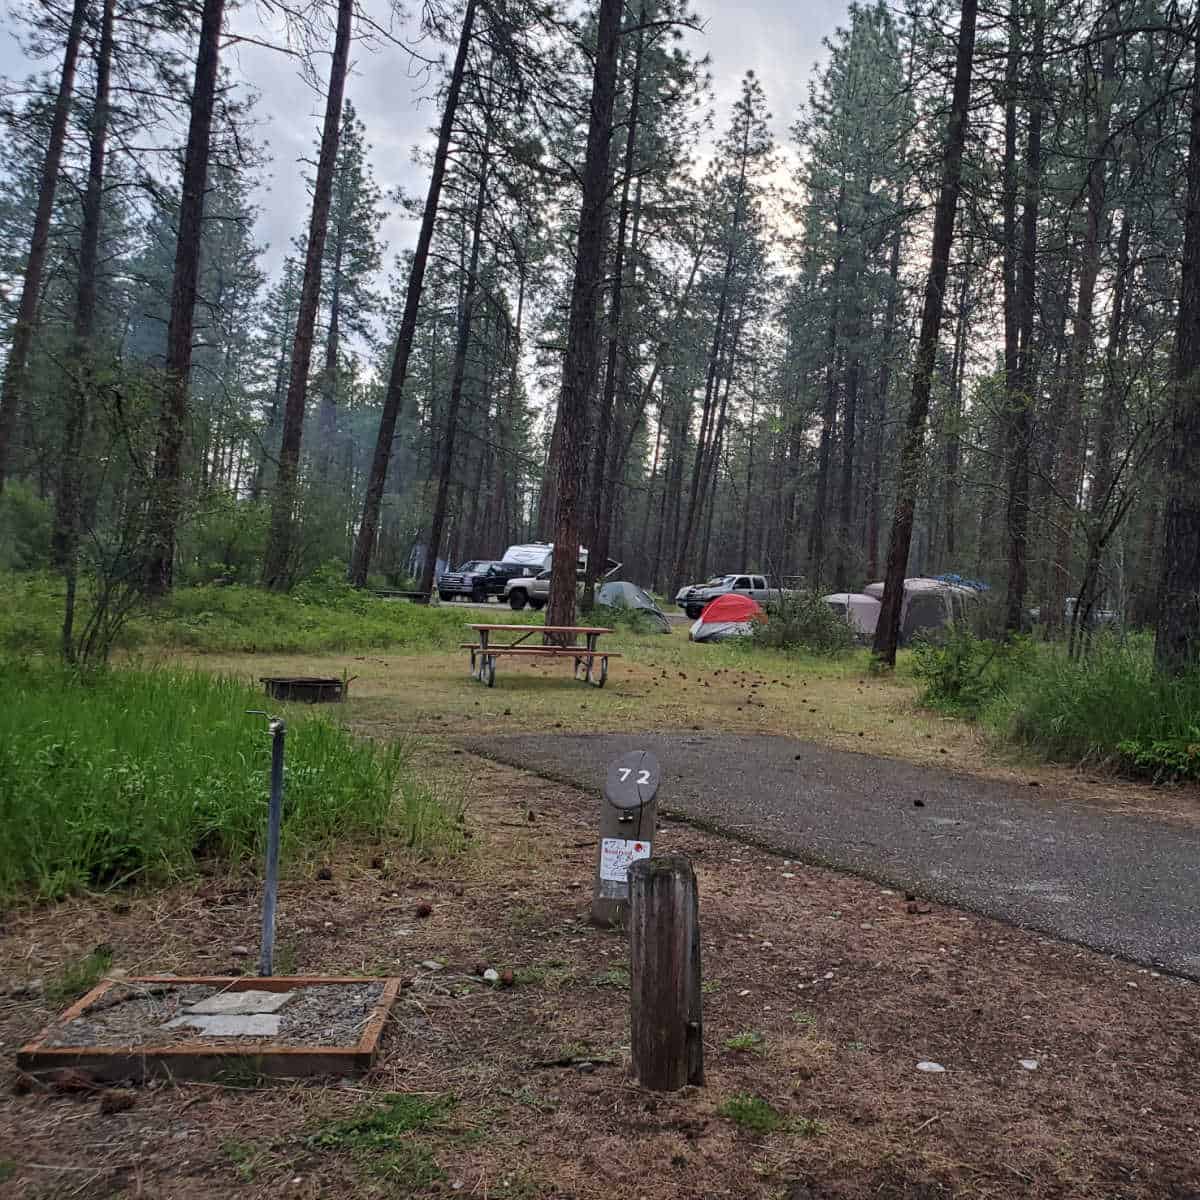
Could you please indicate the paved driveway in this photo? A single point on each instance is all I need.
(1119, 884)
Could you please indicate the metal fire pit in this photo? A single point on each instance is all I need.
(312, 689)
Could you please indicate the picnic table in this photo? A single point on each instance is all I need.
(485, 651)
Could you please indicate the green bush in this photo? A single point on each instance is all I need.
(963, 673)
(225, 540)
(803, 621)
(1110, 708)
(126, 776)
(25, 525)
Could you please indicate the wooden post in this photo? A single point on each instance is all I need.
(664, 951)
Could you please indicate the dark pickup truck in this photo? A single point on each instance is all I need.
(478, 580)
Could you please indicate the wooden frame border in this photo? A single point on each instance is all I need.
(199, 1060)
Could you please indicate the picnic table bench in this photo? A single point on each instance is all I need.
(401, 594)
(485, 651)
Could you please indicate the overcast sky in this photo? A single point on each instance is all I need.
(779, 39)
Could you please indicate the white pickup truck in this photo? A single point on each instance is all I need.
(693, 597)
(532, 590)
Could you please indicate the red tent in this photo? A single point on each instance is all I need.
(732, 607)
(727, 617)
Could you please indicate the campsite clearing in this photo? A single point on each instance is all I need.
(822, 994)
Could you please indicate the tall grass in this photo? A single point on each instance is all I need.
(133, 776)
(1110, 708)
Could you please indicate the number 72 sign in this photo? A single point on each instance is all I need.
(632, 780)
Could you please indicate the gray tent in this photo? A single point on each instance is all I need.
(628, 595)
(929, 605)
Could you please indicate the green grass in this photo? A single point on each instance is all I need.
(78, 977)
(752, 1113)
(614, 977)
(383, 1139)
(756, 1115)
(314, 618)
(133, 776)
(746, 1041)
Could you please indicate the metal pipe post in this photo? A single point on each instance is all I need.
(274, 820)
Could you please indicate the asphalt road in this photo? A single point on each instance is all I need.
(1122, 885)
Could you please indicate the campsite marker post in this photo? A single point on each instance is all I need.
(278, 731)
(628, 813)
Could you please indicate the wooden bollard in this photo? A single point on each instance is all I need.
(664, 950)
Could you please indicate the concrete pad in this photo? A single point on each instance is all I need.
(256, 1025)
(240, 1004)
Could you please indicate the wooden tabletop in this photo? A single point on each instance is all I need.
(546, 628)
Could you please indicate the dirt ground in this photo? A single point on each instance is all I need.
(822, 994)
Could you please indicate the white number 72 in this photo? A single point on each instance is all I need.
(643, 776)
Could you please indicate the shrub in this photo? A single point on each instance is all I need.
(225, 540)
(1111, 707)
(803, 621)
(126, 776)
(25, 522)
(963, 673)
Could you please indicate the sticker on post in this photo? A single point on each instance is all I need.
(617, 855)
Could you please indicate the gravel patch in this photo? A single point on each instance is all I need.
(130, 1014)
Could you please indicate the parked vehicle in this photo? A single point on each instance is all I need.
(524, 590)
(693, 597)
(534, 590)
(536, 556)
(477, 580)
(729, 616)
(618, 594)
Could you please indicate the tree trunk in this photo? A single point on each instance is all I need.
(364, 545)
(327, 418)
(67, 510)
(279, 565)
(163, 516)
(1081, 337)
(579, 362)
(952, 430)
(1020, 397)
(846, 497)
(1177, 638)
(1101, 501)
(612, 366)
(11, 395)
(462, 345)
(912, 453)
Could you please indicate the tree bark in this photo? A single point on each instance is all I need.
(12, 394)
(364, 544)
(279, 565)
(68, 508)
(327, 418)
(579, 363)
(1081, 335)
(1177, 637)
(612, 365)
(163, 516)
(912, 453)
(1020, 397)
(462, 345)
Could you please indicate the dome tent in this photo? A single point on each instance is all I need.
(727, 616)
(860, 611)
